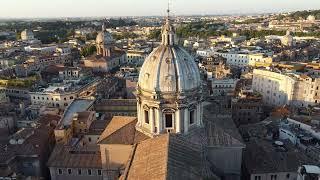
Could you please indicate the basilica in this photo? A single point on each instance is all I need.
(108, 56)
(172, 136)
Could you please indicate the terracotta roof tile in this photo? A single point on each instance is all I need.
(168, 156)
(68, 157)
(120, 130)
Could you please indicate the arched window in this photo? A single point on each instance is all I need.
(191, 117)
(169, 120)
(146, 116)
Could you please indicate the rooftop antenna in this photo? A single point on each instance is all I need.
(168, 10)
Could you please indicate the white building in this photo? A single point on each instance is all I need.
(50, 48)
(205, 52)
(244, 59)
(279, 88)
(276, 88)
(70, 73)
(136, 57)
(223, 86)
(234, 39)
(61, 96)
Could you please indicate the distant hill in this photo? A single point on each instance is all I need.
(304, 14)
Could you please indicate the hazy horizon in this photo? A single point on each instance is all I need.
(105, 8)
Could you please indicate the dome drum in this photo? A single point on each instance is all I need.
(179, 98)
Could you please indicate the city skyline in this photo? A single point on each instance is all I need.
(104, 8)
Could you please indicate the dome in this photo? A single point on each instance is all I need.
(169, 68)
(311, 18)
(288, 39)
(27, 35)
(27, 32)
(104, 37)
(169, 92)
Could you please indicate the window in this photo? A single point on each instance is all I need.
(191, 118)
(69, 171)
(168, 118)
(288, 176)
(89, 139)
(79, 172)
(99, 172)
(273, 177)
(146, 116)
(59, 171)
(89, 172)
(257, 177)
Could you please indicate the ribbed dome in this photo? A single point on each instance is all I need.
(169, 68)
(27, 32)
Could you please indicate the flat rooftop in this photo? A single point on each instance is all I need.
(65, 86)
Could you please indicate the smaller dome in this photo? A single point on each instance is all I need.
(288, 39)
(104, 37)
(311, 18)
(27, 35)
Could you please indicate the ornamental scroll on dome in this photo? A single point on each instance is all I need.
(168, 60)
(169, 79)
(146, 77)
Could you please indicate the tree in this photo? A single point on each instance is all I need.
(155, 34)
(88, 50)
(71, 33)
(125, 35)
(18, 36)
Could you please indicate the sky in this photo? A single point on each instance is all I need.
(105, 8)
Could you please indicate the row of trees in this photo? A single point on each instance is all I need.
(22, 83)
(249, 21)
(59, 31)
(304, 14)
(259, 34)
(200, 30)
(204, 31)
(125, 35)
